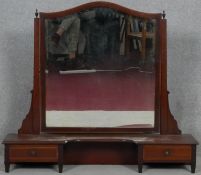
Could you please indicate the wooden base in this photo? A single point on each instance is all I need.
(73, 149)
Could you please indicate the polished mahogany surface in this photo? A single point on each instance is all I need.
(166, 153)
(134, 138)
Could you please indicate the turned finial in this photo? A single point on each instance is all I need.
(163, 15)
(36, 13)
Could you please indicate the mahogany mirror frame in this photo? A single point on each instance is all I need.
(34, 123)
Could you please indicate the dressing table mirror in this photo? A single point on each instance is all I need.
(100, 71)
(100, 92)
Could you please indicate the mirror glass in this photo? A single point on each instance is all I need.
(100, 70)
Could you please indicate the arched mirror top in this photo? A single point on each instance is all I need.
(100, 4)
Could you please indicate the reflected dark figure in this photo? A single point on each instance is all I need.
(99, 39)
(83, 37)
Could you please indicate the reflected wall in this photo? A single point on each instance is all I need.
(100, 70)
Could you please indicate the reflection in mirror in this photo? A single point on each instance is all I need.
(100, 70)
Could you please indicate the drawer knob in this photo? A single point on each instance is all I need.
(167, 152)
(33, 153)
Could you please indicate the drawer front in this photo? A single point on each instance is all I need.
(33, 153)
(167, 153)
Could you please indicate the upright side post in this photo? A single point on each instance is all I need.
(31, 124)
(168, 125)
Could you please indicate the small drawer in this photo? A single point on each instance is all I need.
(33, 153)
(167, 153)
